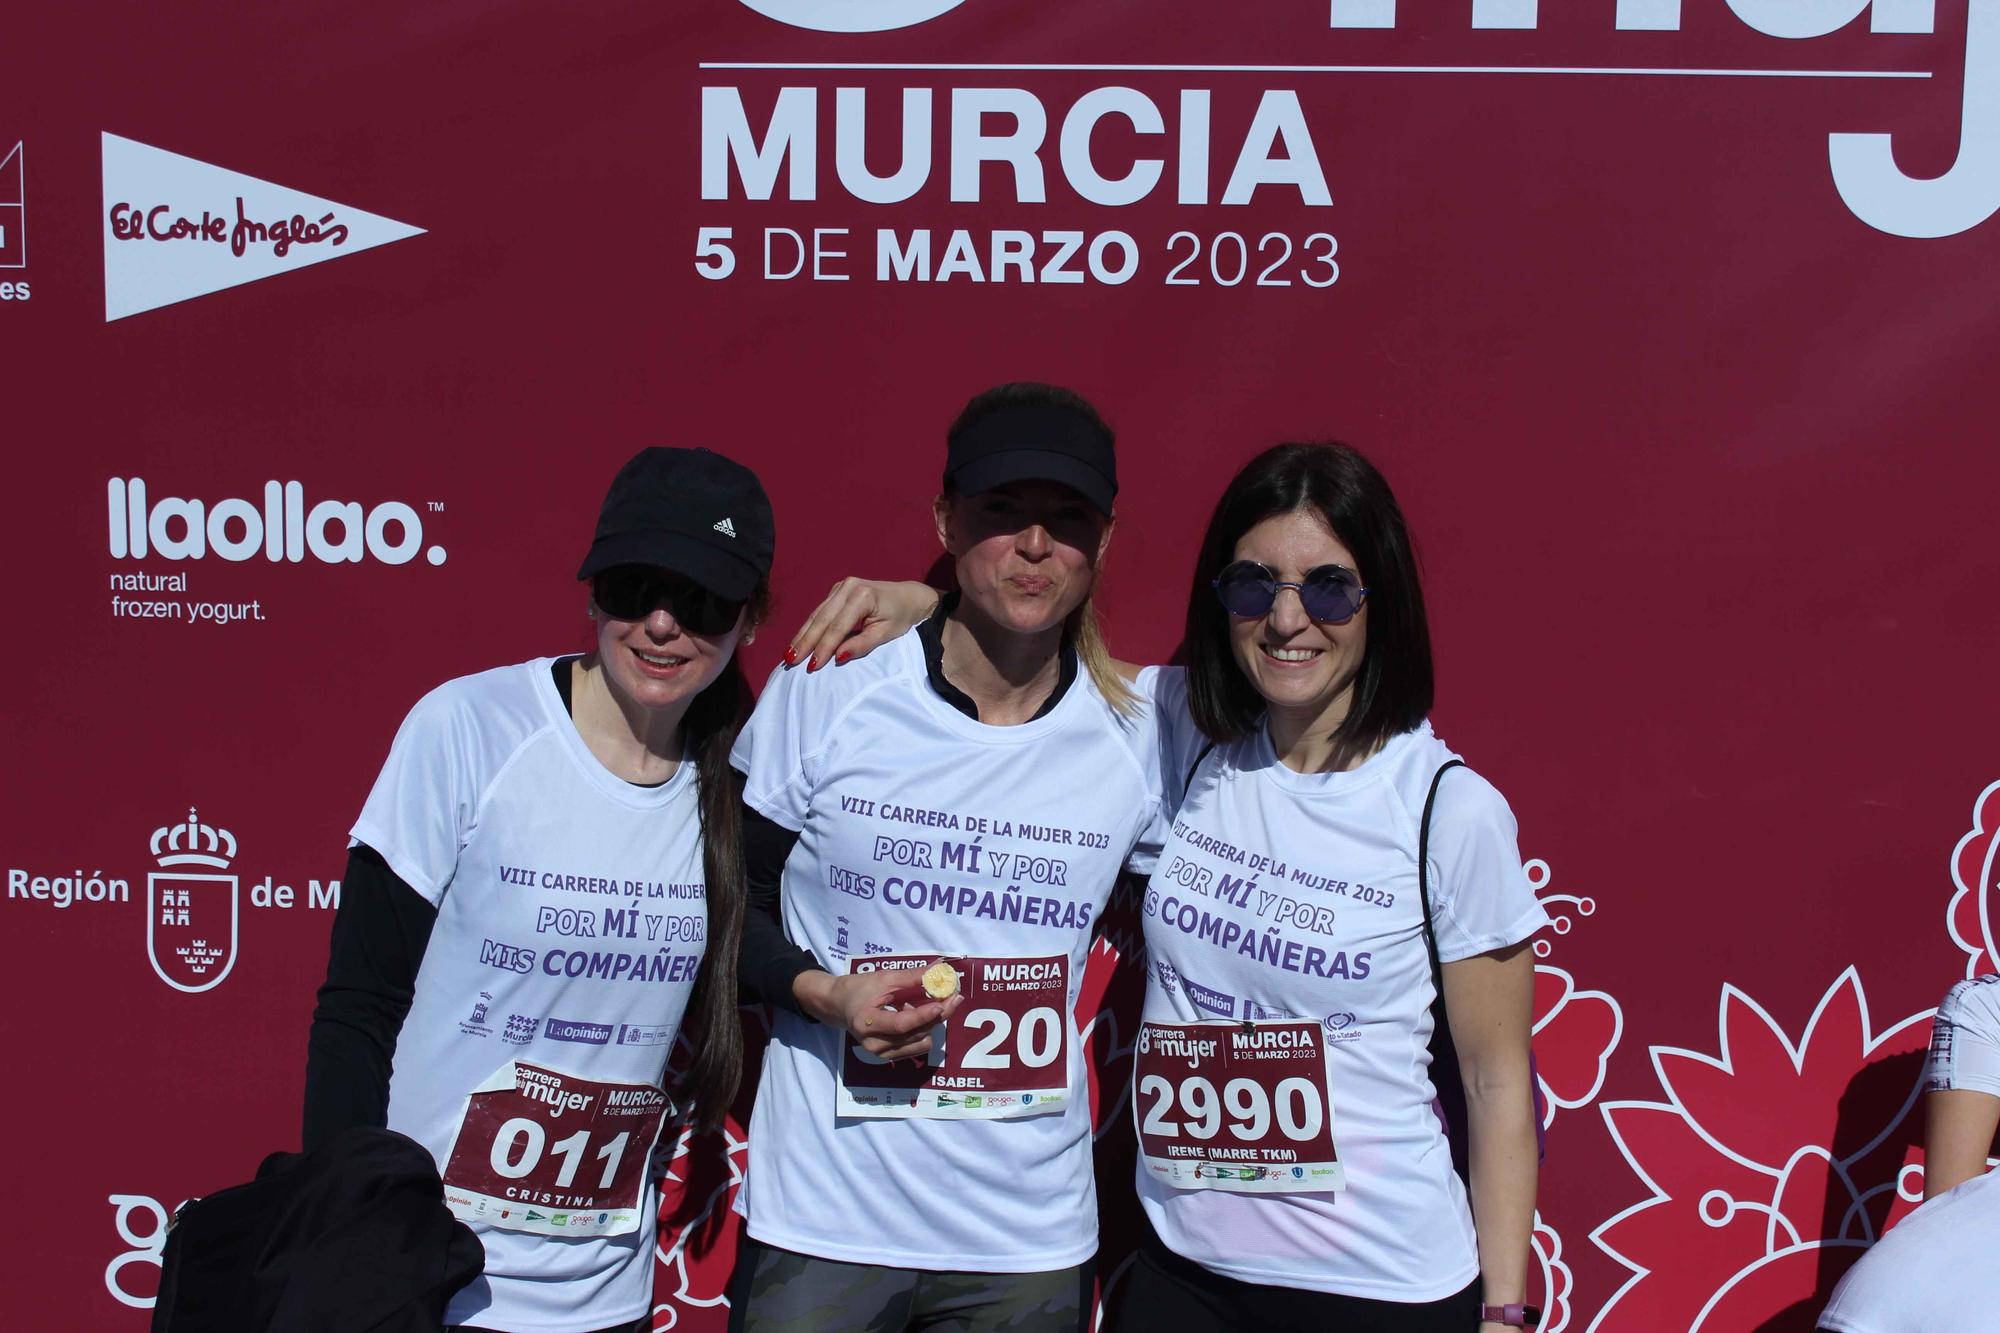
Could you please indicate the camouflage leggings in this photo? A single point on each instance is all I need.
(777, 1291)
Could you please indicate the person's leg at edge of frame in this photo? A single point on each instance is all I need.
(777, 1291)
(1051, 1302)
(1152, 1294)
(1164, 1290)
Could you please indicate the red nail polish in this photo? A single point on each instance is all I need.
(843, 659)
(812, 666)
(791, 657)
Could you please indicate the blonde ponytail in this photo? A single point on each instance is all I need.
(1087, 636)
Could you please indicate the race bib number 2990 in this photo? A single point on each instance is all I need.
(1242, 1107)
(544, 1151)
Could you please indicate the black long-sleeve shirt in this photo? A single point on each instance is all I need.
(379, 937)
(769, 962)
(384, 926)
(380, 934)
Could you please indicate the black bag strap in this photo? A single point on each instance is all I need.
(1424, 874)
(1444, 1052)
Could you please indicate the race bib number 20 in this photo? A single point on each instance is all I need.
(1004, 1054)
(543, 1151)
(1236, 1106)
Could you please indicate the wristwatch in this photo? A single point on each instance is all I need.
(1513, 1316)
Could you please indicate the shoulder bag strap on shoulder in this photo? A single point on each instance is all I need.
(1445, 1077)
(1424, 876)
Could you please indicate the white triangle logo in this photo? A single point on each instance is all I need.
(726, 528)
(175, 228)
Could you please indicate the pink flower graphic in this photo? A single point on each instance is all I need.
(1563, 908)
(697, 1248)
(1769, 1167)
(1575, 1033)
(699, 1229)
(1575, 1030)
(1974, 914)
(1109, 998)
(1549, 1280)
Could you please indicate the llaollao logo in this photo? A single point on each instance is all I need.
(280, 529)
(853, 15)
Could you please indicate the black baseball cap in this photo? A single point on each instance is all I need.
(1038, 437)
(691, 511)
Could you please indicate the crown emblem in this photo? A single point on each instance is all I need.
(194, 843)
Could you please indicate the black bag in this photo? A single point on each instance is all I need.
(1445, 1076)
(352, 1237)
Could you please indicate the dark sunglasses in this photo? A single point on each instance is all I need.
(631, 592)
(1331, 594)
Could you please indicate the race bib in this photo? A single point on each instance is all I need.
(1003, 1055)
(1237, 1106)
(544, 1151)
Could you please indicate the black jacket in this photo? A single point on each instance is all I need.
(353, 1237)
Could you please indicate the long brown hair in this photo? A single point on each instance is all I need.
(711, 1027)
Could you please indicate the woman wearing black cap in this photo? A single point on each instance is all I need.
(1326, 879)
(920, 1157)
(544, 888)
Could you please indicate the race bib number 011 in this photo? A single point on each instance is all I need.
(1003, 1055)
(1236, 1106)
(544, 1151)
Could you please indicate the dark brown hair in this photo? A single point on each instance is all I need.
(1394, 688)
(711, 1027)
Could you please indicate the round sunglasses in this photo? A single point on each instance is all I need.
(1331, 594)
(631, 592)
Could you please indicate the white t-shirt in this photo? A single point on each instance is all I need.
(886, 783)
(571, 920)
(1936, 1269)
(1401, 1229)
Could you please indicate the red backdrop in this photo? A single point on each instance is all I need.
(1674, 325)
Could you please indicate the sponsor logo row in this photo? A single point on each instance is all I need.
(1341, 1026)
(520, 1029)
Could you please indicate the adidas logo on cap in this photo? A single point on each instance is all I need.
(726, 528)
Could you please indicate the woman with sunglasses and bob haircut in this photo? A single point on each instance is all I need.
(1292, 1169)
(544, 889)
(960, 803)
